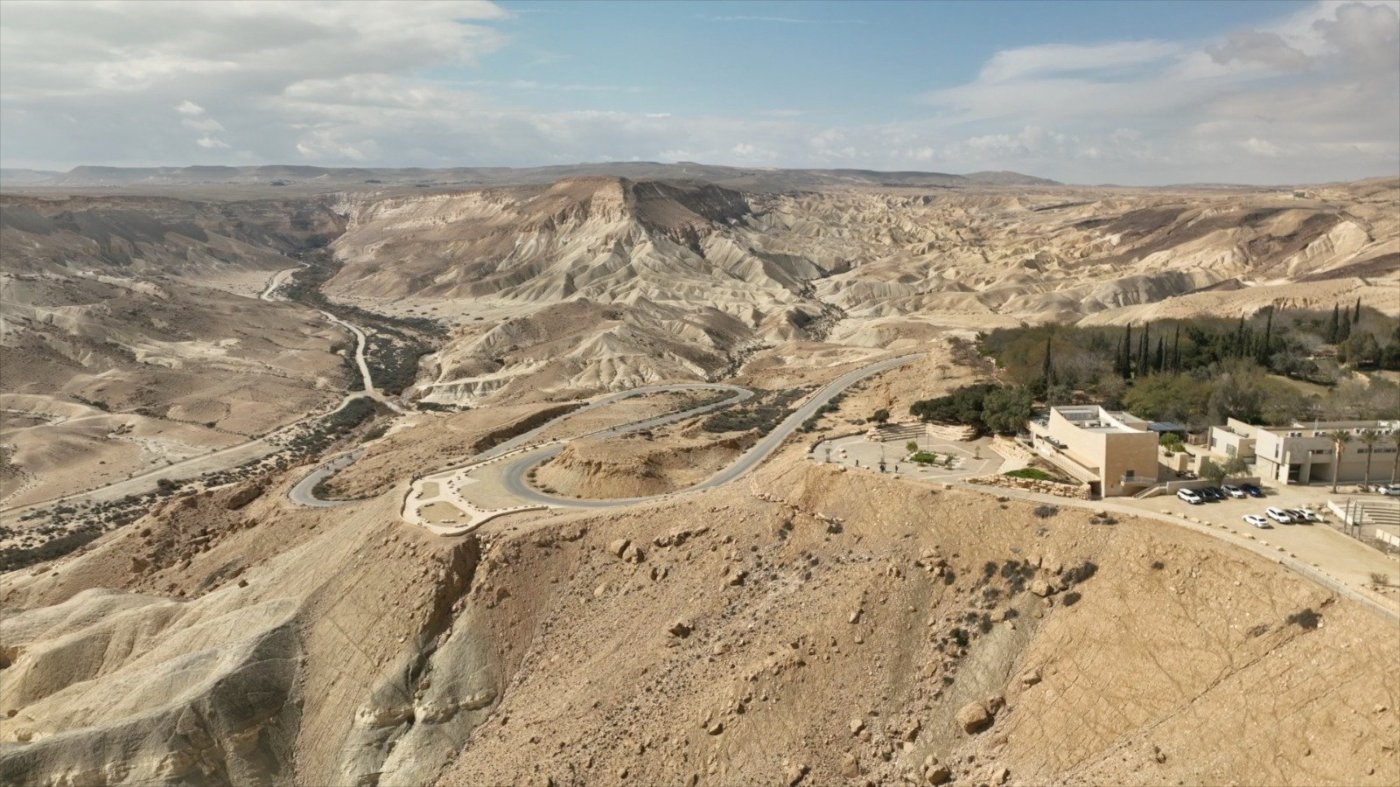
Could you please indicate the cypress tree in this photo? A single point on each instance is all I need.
(1144, 350)
(1268, 337)
(1334, 328)
(1161, 361)
(1239, 339)
(1047, 369)
(1176, 350)
(1344, 332)
(1356, 316)
(1125, 362)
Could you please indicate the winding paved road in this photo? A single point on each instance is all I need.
(514, 477)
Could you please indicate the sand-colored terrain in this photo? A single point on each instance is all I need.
(641, 464)
(122, 358)
(611, 283)
(835, 626)
(803, 624)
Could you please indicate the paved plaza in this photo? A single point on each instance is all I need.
(969, 459)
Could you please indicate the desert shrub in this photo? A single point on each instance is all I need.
(1031, 473)
(1046, 511)
(1306, 618)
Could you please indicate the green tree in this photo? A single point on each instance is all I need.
(880, 416)
(1006, 410)
(1361, 349)
(1356, 315)
(1264, 350)
(1212, 472)
(1395, 468)
(1047, 369)
(1167, 397)
(1340, 438)
(1235, 466)
(1170, 441)
(1125, 353)
(1236, 393)
(1368, 438)
(1334, 328)
(911, 446)
(1144, 363)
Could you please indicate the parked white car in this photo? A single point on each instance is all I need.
(1258, 521)
(1391, 489)
(1234, 491)
(1305, 514)
(1191, 496)
(1279, 515)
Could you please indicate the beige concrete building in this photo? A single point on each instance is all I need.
(1303, 454)
(1114, 452)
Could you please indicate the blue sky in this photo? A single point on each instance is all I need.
(865, 61)
(1088, 92)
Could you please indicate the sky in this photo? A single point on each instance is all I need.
(1123, 92)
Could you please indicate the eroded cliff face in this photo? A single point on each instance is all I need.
(606, 283)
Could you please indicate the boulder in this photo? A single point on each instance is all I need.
(973, 718)
(938, 774)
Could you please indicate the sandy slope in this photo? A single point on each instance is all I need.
(840, 598)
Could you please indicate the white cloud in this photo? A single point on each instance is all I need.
(1052, 60)
(1310, 97)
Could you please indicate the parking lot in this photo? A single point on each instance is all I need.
(1318, 544)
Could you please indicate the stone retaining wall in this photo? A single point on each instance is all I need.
(1072, 491)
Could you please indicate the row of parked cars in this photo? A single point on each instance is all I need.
(1283, 516)
(1210, 494)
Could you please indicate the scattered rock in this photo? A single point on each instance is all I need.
(619, 546)
(856, 726)
(680, 628)
(938, 774)
(1030, 677)
(973, 718)
(794, 773)
(850, 766)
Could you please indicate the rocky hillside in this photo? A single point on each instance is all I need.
(131, 334)
(727, 274)
(843, 629)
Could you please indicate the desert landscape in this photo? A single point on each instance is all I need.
(519, 392)
(801, 623)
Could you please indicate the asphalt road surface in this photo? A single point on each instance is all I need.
(513, 479)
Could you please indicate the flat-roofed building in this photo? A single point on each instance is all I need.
(1305, 453)
(1114, 452)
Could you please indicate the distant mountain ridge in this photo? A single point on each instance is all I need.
(339, 178)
